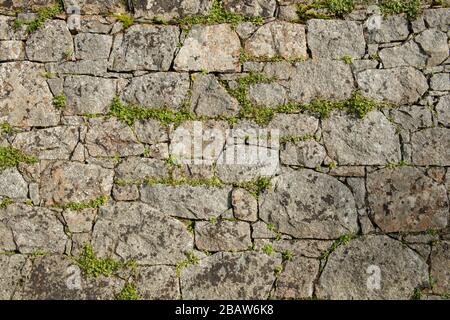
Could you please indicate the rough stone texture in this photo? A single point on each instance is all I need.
(404, 199)
(158, 282)
(34, 228)
(222, 236)
(53, 42)
(144, 47)
(440, 267)
(12, 184)
(349, 269)
(158, 90)
(393, 28)
(12, 50)
(352, 141)
(136, 231)
(134, 168)
(25, 99)
(65, 182)
(388, 85)
(440, 81)
(97, 6)
(278, 39)
(320, 206)
(252, 8)
(92, 46)
(309, 154)
(335, 39)
(443, 110)
(11, 275)
(186, 201)
(211, 48)
(245, 205)
(435, 45)
(247, 275)
(169, 9)
(431, 147)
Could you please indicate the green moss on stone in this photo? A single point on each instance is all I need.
(128, 292)
(78, 206)
(11, 157)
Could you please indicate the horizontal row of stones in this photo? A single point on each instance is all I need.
(247, 275)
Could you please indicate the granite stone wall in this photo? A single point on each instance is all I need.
(200, 149)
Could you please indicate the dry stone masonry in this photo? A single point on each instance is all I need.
(103, 195)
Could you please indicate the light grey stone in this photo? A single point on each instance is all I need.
(412, 117)
(133, 168)
(79, 67)
(79, 221)
(125, 193)
(187, 201)
(144, 47)
(12, 184)
(6, 239)
(25, 98)
(245, 205)
(34, 228)
(52, 42)
(66, 182)
(136, 231)
(268, 95)
(170, 9)
(349, 269)
(158, 283)
(393, 28)
(57, 143)
(214, 48)
(158, 90)
(407, 54)
(210, 99)
(151, 131)
(404, 85)
(88, 95)
(222, 236)
(90, 7)
(278, 39)
(91, 46)
(11, 266)
(246, 275)
(435, 45)
(443, 110)
(335, 39)
(405, 200)
(309, 154)
(440, 272)
(440, 81)
(431, 147)
(368, 141)
(295, 125)
(252, 8)
(358, 187)
(437, 18)
(320, 207)
(12, 50)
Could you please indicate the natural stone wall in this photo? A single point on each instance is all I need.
(101, 197)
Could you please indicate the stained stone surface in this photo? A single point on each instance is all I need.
(236, 165)
(352, 271)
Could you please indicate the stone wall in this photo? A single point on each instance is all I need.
(101, 198)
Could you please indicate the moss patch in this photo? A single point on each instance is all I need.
(128, 292)
(343, 240)
(78, 206)
(5, 203)
(10, 157)
(126, 20)
(60, 101)
(412, 8)
(255, 187)
(191, 260)
(43, 15)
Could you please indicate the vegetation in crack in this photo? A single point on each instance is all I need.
(78, 206)
(255, 187)
(60, 101)
(342, 240)
(6, 128)
(412, 8)
(42, 16)
(11, 157)
(129, 292)
(191, 259)
(213, 182)
(5, 203)
(127, 21)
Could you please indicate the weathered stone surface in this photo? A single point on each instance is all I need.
(443, 110)
(187, 201)
(247, 275)
(88, 95)
(278, 39)
(65, 182)
(321, 79)
(412, 117)
(53, 42)
(57, 143)
(12, 50)
(393, 28)
(268, 94)
(440, 267)
(25, 99)
(6, 239)
(437, 18)
(431, 147)
(92, 46)
(389, 85)
(440, 81)
(368, 141)
(134, 168)
(245, 205)
(434, 44)
(12, 184)
(407, 54)
(59, 278)
(144, 47)
(252, 8)
(158, 283)
(308, 154)
(335, 39)
(169, 9)
(210, 99)
(295, 125)
(97, 6)
(222, 236)
(404, 199)
(352, 270)
(34, 228)
(79, 221)
(111, 137)
(321, 206)
(150, 131)
(11, 266)
(136, 231)
(297, 279)
(211, 48)
(158, 90)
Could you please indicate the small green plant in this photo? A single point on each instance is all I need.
(412, 8)
(287, 255)
(128, 292)
(340, 7)
(401, 163)
(268, 249)
(159, 20)
(127, 21)
(147, 152)
(418, 294)
(309, 11)
(5, 203)
(6, 128)
(347, 59)
(29, 203)
(10, 157)
(39, 253)
(191, 260)
(60, 101)
(278, 270)
(432, 232)
(213, 220)
(297, 139)
(255, 187)
(343, 240)
(78, 206)
(49, 75)
(43, 15)
(95, 267)
(190, 226)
